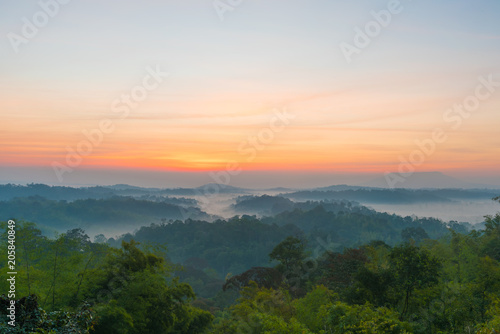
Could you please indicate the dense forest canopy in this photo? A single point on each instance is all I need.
(332, 266)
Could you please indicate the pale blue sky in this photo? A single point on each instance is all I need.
(102, 42)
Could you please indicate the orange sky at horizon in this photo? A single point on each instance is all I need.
(334, 133)
(228, 79)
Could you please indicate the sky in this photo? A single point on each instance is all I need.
(248, 92)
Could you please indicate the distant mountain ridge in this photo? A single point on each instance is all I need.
(422, 180)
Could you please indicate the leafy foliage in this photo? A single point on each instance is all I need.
(31, 318)
(439, 281)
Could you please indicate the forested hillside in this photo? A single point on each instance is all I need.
(393, 196)
(333, 268)
(109, 214)
(230, 246)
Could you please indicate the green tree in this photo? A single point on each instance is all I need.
(312, 309)
(417, 234)
(113, 319)
(30, 318)
(290, 253)
(491, 242)
(261, 310)
(141, 284)
(414, 268)
(487, 282)
(493, 325)
(346, 319)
